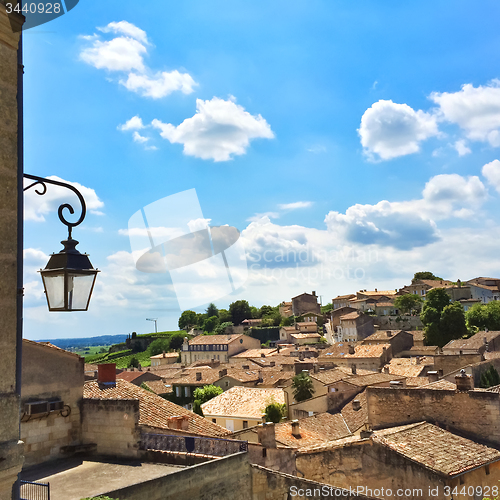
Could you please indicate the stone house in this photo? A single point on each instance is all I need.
(477, 344)
(367, 357)
(342, 301)
(216, 347)
(165, 358)
(253, 353)
(400, 340)
(354, 326)
(51, 395)
(285, 309)
(335, 315)
(304, 338)
(418, 460)
(421, 287)
(305, 302)
(241, 407)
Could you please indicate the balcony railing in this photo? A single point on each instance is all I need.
(192, 444)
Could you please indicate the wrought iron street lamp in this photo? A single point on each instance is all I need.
(68, 277)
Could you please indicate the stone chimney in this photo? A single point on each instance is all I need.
(314, 293)
(386, 369)
(164, 354)
(375, 289)
(198, 376)
(389, 333)
(353, 369)
(106, 373)
(296, 429)
(223, 373)
(351, 349)
(356, 405)
(433, 376)
(272, 363)
(267, 435)
(180, 423)
(262, 355)
(245, 367)
(464, 382)
(365, 434)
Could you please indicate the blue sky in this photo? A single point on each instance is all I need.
(364, 135)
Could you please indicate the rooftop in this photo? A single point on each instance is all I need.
(214, 339)
(53, 347)
(341, 350)
(342, 297)
(313, 430)
(382, 335)
(255, 353)
(131, 376)
(355, 419)
(158, 386)
(166, 355)
(474, 342)
(153, 410)
(243, 402)
(436, 449)
(305, 335)
(351, 315)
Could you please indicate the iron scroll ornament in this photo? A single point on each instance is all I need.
(41, 181)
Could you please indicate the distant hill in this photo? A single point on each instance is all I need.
(88, 341)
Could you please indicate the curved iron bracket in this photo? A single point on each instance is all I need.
(42, 182)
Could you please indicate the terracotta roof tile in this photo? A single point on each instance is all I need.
(153, 410)
(313, 430)
(382, 335)
(131, 376)
(341, 349)
(371, 379)
(159, 387)
(355, 419)
(54, 348)
(440, 385)
(328, 377)
(305, 335)
(474, 342)
(214, 339)
(255, 353)
(243, 402)
(166, 355)
(435, 448)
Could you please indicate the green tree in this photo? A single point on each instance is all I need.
(327, 308)
(484, 316)
(176, 341)
(240, 310)
(255, 312)
(426, 275)
(408, 302)
(210, 324)
(266, 311)
(206, 393)
(275, 412)
(197, 408)
(133, 363)
(212, 310)
(442, 321)
(286, 322)
(158, 346)
(187, 320)
(489, 378)
(224, 315)
(221, 328)
(302, 387)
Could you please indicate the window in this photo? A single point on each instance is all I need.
(462, 480)
(264, 452)
(187, 392)
(245, 424)
(227, 383)
(487, 469)
(214, 420)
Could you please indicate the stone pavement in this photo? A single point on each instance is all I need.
(74, 479)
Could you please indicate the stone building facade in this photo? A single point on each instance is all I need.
(11, 449)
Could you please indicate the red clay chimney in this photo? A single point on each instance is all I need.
(106, 373)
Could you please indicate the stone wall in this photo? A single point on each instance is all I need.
(447, 363)
(475, 414)
(374, 469)
(10, 448)
(113, 425)
(49, 374)
(228, 478)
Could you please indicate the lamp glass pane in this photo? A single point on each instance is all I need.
(79, 289)
(54, 288)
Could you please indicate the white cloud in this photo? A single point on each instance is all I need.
(389, 130)
(411, 223)
(36, 206)
(125, 53)
(160, 85)
(258, 216)
(462, 148)
(135, 123)
(492, 173)
(118, 54)
(295, 205)
(218, 130)
(126, 28)
(139, 138)
(474, 109)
